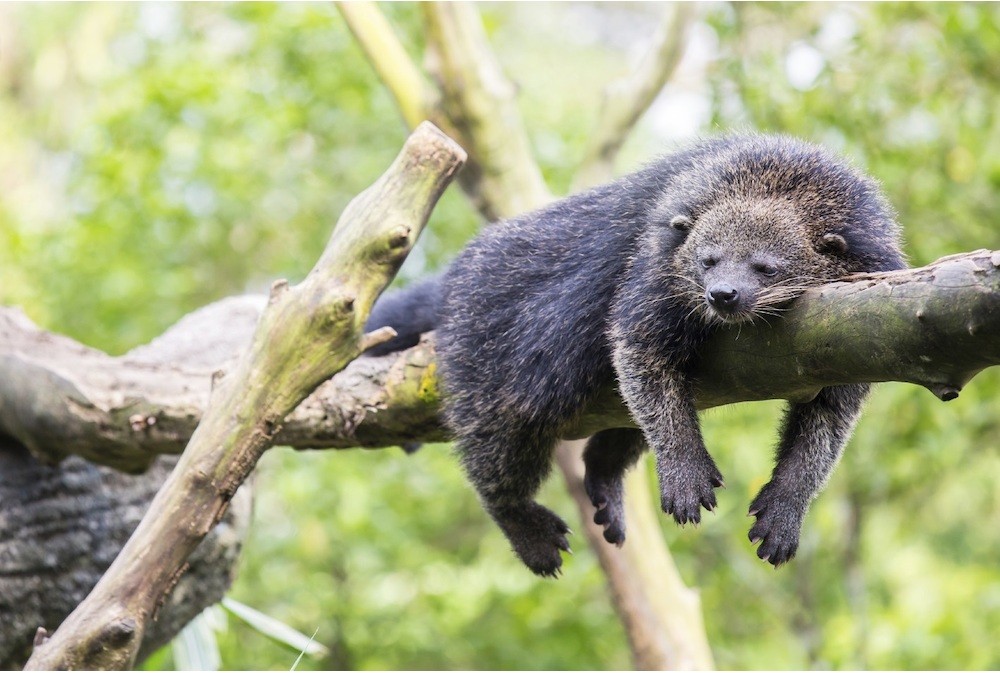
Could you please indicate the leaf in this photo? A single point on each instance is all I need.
(195, 648)
(278, 631)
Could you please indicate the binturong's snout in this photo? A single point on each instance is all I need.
(724, 298)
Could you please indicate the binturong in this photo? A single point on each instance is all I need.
(624, 282)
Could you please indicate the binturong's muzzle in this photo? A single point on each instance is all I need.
(724, 298)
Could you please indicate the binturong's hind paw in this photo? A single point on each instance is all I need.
(779, 521)
(537, 535)
(607, 495)
(687, 487)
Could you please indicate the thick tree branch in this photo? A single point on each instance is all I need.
(935, 326)
(304, 335)
(57, 396)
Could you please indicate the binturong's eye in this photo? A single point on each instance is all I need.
(709, 261)
(681, 223)
(769, 270)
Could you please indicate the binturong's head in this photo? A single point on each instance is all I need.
(764, 218)
(744, 258)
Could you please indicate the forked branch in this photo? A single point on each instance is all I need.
(305, 334)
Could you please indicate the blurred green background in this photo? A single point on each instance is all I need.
(156, 157)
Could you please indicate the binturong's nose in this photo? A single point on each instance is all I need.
(723, 297)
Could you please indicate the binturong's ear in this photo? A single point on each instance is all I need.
(833, 244)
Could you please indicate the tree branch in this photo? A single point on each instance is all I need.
(936, 326)
(626, 100)
(57, 396)
(661, 615)
(304, 335)
(470, 99)
(414, 95)
(480, 102)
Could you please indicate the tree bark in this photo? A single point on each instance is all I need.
(60, 529)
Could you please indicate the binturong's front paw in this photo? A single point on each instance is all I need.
(537, 535)
(686, 487)
(779, 520)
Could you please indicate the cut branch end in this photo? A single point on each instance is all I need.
(379, 336)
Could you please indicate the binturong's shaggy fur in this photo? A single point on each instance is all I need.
(626, 280)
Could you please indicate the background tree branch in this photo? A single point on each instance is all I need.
(625, 100)
(476, 100)
(414, 95)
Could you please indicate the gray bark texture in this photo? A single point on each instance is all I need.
(61, 525)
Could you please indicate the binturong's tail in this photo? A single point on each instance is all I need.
(410, 311)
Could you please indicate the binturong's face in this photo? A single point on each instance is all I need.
(746, 259)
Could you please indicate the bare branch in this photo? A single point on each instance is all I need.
(480, 102)
(304, 335)
(626, 100)
(414, 95)
(470, 99)
(57, 396)
(661, 615)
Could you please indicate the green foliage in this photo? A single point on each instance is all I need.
(392, 559)
(157, 157)
(219, 152)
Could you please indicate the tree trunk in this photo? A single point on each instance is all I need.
(60, 529)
